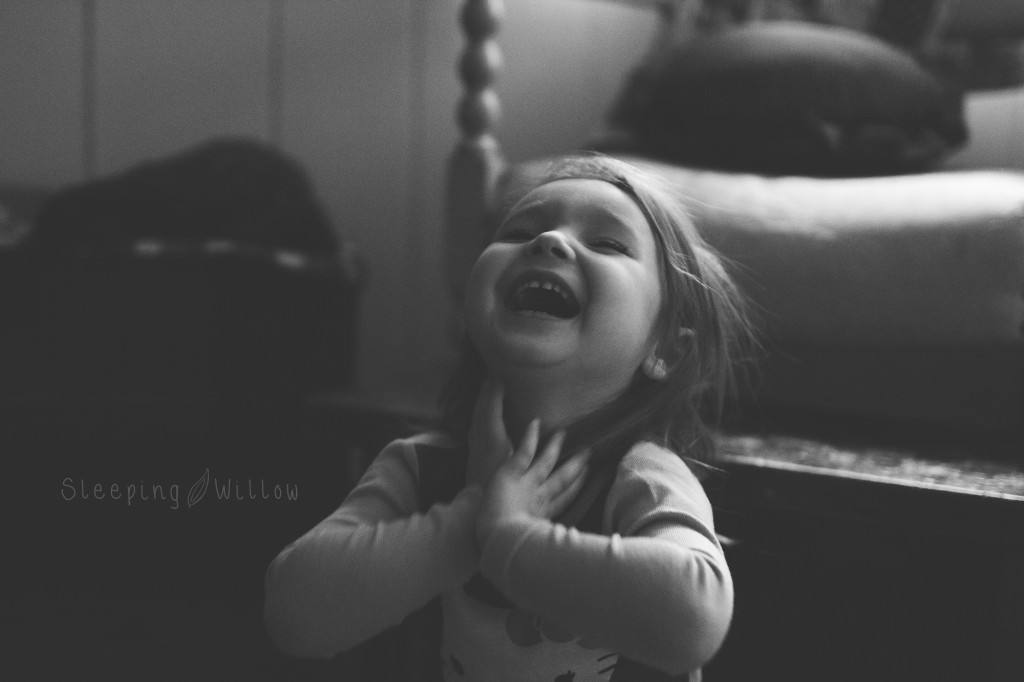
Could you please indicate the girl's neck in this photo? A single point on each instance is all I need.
(556, 404)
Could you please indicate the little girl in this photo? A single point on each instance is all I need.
(558, 515)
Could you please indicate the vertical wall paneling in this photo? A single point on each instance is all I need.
(41, 138)
(89, 88)
(346, 117)
(174, 73)
(275, 71)
(415, 259)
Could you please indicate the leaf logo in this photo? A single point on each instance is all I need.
(198, 489)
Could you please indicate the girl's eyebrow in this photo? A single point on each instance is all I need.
(608, 217)
(603, 213)
(615, 216)
(535, 206)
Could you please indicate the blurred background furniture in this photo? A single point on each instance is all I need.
(166, 330)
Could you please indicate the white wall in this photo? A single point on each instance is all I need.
(995, 120)
(362, 92)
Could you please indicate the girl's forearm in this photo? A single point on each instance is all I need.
(664, 600)
(347, 580)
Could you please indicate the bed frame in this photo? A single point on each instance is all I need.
(477, 162)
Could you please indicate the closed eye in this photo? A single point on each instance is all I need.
(609, 244)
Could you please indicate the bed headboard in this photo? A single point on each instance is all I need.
(477, 161)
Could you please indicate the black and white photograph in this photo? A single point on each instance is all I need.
(513, 340)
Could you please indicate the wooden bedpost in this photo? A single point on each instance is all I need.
(477, 162)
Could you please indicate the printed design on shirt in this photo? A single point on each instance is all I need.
(581, 658)
(526, 629)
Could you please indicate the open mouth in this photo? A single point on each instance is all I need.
(543, 295)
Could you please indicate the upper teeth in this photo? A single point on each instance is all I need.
(537, 284)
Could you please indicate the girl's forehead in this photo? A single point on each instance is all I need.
(586, 196)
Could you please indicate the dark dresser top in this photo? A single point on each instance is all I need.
(898, 467)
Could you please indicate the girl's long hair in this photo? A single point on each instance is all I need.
(681, 411)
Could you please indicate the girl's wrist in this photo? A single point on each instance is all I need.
(486, 526)
(492, 517)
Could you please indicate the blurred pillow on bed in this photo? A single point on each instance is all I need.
(787, 97)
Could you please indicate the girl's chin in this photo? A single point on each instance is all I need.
(525, 350)
(524, 339)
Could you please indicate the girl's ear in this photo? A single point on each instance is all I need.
(654, 367)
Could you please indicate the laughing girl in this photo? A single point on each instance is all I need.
(558, 516)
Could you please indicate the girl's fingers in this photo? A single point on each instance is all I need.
(527, 446)
(569, 472)
(545, 462)
(561, 500)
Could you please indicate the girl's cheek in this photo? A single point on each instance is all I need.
(477, 299)
(476, 275)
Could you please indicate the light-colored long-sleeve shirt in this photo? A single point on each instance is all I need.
(652, 586)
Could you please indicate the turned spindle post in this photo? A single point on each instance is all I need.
(477, 161)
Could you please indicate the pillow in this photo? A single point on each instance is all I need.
(788, 97)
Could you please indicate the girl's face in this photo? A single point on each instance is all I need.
(571, 281)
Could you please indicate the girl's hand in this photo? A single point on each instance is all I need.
(527, 484)
(489, 444)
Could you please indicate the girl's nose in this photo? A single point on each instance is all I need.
(551, 243)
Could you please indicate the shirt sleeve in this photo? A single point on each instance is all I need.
(656, 589)
(371, 562)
